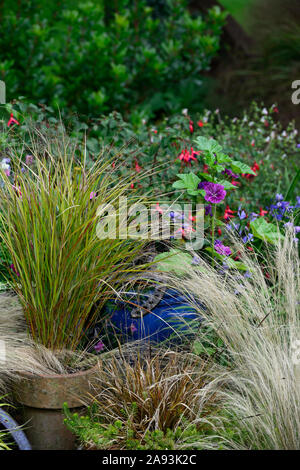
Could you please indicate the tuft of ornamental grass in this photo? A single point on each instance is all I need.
(49, 218)
(258, 320)
(162, 391)
(19, 353)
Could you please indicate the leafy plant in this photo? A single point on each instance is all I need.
(96, 435)
(213, 189)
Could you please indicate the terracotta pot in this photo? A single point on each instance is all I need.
(42, 397)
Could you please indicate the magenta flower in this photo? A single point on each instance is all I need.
(12, 267)
(132, 328)
(93, 194)
(99, 346)
(222, 249)
(214, 193)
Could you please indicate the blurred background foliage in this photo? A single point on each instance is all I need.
(91, 57)
(265, 71)
(151, 58)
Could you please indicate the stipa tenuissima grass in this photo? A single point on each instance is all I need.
(258, 320)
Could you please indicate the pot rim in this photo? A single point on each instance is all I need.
(81, 373)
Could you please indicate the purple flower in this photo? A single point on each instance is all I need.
(247, 238)
(99, 346)
(93, 194)
(281, 208)
(242, 214)
(222, 249)
(292, 226)
(214, 192)
(253, 216)
(175, 215)
(208, 210)
(233, 226)
(203, 184)
(195, 260)
(230, 173)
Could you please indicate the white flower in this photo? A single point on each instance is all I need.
(185, 111)
(4, 165)
(265, 111)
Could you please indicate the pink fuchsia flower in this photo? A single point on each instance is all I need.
(138, 168)
(186, 156)
(192, 218)
(99, 346)
(222, 249)
(262, 213)
(228, 214)
(214, 192)
(200, 123)
(185, 230)
(12, 120)
(158, 208)
(93, 194)
(191, 127)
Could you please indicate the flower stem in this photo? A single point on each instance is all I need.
(213, 220)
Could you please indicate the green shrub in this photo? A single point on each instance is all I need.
(96, 56)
